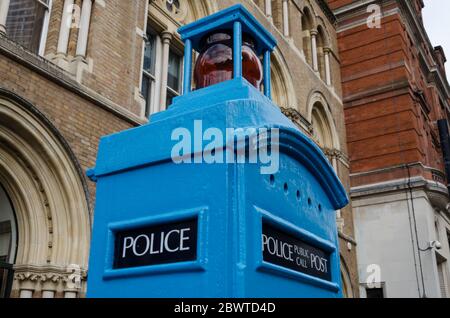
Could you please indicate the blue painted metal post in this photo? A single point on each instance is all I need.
(237, 49)
(187, 66)
(267, 80)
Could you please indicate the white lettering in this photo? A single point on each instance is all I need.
(184, 238)
(147, 245)
(152, 252)
(127, 246)
(166, 242)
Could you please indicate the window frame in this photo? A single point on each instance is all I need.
(154, 104)
(45, 26)
(47, 5)
(170, 90)
(154, 79)
(151, 105)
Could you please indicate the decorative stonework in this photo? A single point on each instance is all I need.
(176, 9)
(339, 155)
(58, 281)
(296, 118)
(49, 200)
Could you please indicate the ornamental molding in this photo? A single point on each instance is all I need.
(295, 116)
(53, 277)
(176, 10)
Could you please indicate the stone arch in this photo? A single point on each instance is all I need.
(283, 91)
(307, 21)
(181, 12)
(322, 122)
(347, 289)
(200, 9)
(47, 189)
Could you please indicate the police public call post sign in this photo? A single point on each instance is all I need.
(285, 250)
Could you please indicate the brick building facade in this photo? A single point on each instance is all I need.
(395, 91)
(94, 67)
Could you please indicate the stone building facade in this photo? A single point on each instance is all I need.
(395, 94)
(72, 71)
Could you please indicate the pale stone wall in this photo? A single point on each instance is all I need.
(389, 225)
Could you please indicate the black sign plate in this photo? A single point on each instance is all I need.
(156, 244)
(284, 249)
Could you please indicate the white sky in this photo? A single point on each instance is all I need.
(436, 16)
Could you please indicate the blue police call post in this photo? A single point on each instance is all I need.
(219, 196)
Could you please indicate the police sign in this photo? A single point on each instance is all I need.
(156, 244)
(286, 250)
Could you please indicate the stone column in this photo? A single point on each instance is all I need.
(25, 293)
(268, 8)
(70, 294)
(64, 30)
(48, 294)
(83, 33)
(327, 52)
(166, 39)
(4, 7)
(314, 50)
(286, 18)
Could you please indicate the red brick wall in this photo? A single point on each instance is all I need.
(386, 124)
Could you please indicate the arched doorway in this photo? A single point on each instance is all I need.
(46, 188)
(8, 243)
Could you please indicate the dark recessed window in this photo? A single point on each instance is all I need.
(26, 23)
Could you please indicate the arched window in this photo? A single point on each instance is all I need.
(323, 128)
(322, 132)
(163, 52)
(283, 91)
(324, 55)
(307, 25)
(321, 44)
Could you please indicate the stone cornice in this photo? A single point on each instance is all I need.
(436, 192)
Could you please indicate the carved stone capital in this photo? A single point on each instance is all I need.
(49, 278)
